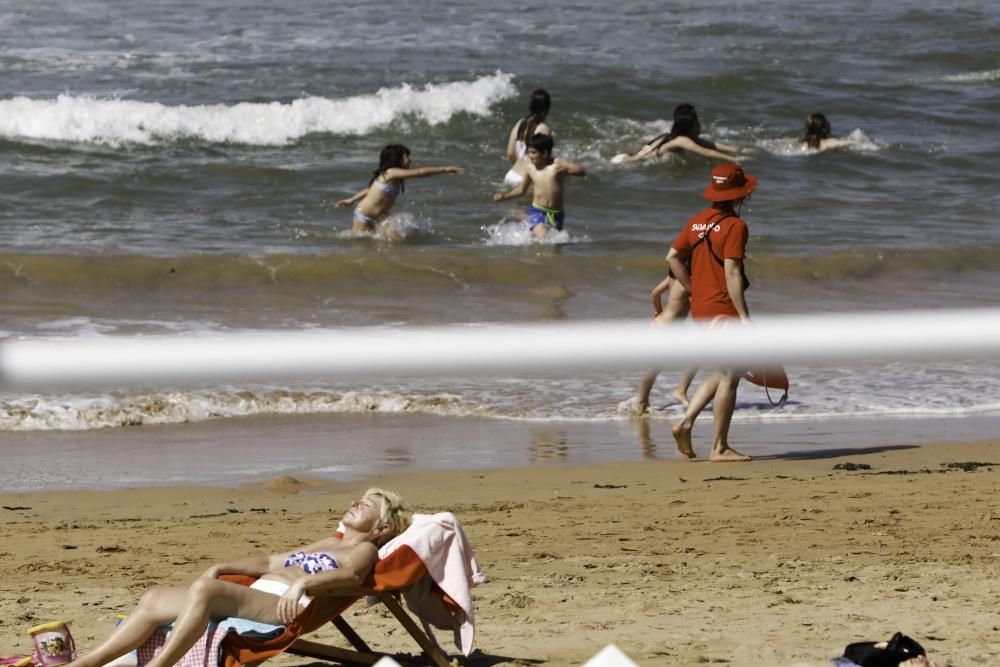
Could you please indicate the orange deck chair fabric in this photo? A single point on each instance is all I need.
(400, 569)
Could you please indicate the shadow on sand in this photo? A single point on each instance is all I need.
(831, 453)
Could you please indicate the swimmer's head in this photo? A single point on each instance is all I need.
(817, 129)
(393, 155)
(538, 108)
(685, 122)
(540, 149)
(539, 104)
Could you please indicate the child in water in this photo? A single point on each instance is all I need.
(386, 185)
(545, 175)
(678, 307)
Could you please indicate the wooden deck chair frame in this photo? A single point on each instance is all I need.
(362, 653)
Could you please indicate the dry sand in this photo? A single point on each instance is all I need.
(767, 563)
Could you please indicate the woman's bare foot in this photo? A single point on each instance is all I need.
(728, 455)
(681, 397)
(682, 434)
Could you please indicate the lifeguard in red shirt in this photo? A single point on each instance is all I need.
(707, 258)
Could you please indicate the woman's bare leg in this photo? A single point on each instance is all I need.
(157, 607)
(209, 599)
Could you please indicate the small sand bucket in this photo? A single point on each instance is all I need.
(53, 643)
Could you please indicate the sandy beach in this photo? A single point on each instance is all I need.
(782, 560)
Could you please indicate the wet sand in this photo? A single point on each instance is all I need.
(774, 562)
(352, 446)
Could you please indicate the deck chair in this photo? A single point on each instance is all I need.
(431, 565)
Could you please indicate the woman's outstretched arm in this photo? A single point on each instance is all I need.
(400, 174)
(688, 144)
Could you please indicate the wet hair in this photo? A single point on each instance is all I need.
(817, 129)
(542, 143)
(538, 108)
(685, 125)
(391, 512)
(391, 156)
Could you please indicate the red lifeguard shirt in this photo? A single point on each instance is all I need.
(728, 236)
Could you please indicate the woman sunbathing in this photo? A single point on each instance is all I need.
(286, 584)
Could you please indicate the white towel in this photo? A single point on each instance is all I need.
(440, 542)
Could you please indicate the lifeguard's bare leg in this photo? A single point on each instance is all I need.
(723, 406)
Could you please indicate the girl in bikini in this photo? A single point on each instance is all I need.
(684, 136)
(529, 126)
(285, 585)
(385, 187)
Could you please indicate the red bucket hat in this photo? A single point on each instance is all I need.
(729, 182)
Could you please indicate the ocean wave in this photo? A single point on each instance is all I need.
(116, 122)
(984, 76)
(81, 413)
(78, 413)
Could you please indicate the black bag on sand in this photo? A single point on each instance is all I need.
(900, 649)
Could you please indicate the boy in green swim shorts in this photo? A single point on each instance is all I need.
(545, 175)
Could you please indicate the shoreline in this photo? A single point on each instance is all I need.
(785, 560)
(346, 448)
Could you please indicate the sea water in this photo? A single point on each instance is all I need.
(173, 168)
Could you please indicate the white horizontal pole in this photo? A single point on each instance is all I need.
(562, 348)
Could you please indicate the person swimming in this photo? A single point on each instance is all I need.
(684, 136)
(530, 125)
(386, 186)
(818, 135)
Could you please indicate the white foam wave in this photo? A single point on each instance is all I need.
(984, 76)
(78, 413)
(115, 121)
(51, 413)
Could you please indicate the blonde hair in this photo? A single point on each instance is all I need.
(392, 512)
